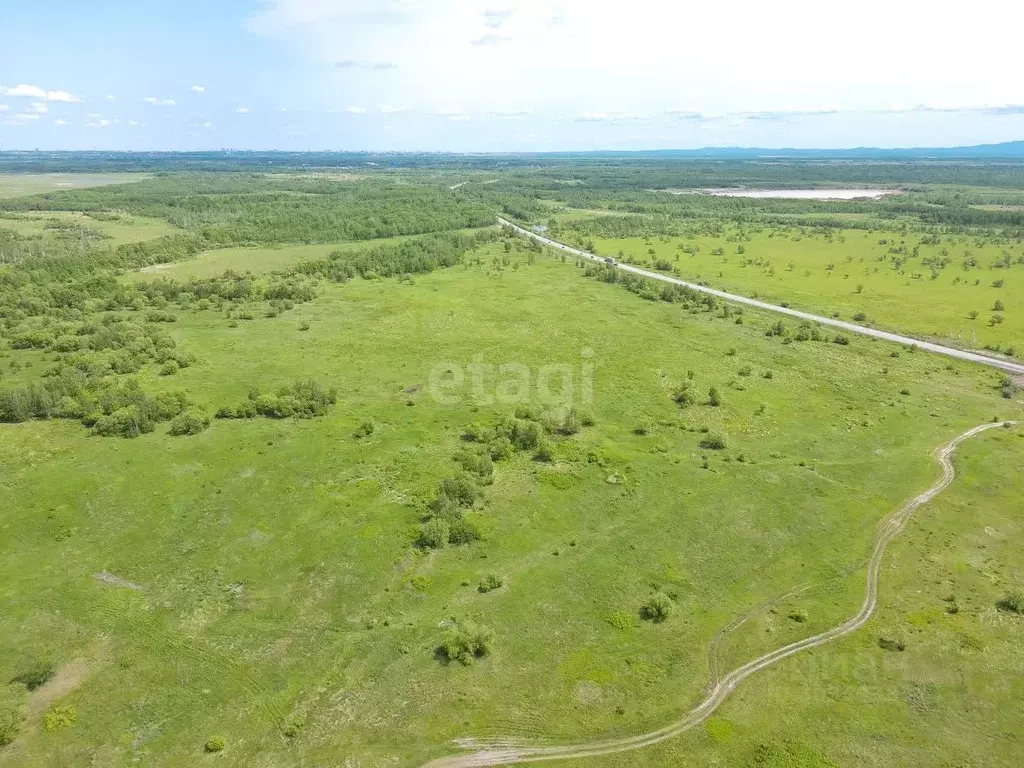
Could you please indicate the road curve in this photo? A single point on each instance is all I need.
(960, 354)
(510, 752)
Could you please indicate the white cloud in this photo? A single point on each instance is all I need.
(60, 121)
(198, 89)
(23, 117)
(242, 110)
(4, 107)
(786, 56)
(159, 102)
(98, 124)
(364, 64)
(38, 106)
(356, 110)
(390, 110)
(40, 94)
(111, 97)
(592, 117)
(136, 123)
(511, 114)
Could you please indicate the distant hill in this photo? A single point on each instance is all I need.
(1012, 150)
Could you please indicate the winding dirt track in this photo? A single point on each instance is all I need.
(509, 752)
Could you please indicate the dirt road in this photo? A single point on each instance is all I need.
(509, 752)
(961, 354)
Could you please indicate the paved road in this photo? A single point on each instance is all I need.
(508, 752)
(960, 354)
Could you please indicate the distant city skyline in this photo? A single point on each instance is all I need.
(529, 75)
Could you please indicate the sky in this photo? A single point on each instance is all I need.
(512, 75)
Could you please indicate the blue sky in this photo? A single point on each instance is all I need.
(483, 75)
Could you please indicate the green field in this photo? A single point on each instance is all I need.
(18, 184)
(850, 272)
(116, 230)
(629, 487)
(255, 260)
(275, 572)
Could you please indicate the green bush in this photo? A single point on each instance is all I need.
(545, 451)
(300, 400)
(129, 422)
(490, 583)
(189, 422)
(683, 394)
(214, 744)
(658, 607)
(462, 531)
(433, 534)
(466, 641)
(713, 442)
(714, 399)
(365, 429)
(1013, 602)
(169, 368)
(59, 716)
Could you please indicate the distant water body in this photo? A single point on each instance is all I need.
(804, 194)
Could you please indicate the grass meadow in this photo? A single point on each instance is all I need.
(853, 273)
(260, 579)
(115, 229)
(21, 184)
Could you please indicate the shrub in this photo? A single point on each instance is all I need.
(570, 423)
(799, 615)
(1013, 602)
(364, 430)
(462, 531)
(683, 395)
(169, 368)
(621, 620)
(129, 422)
(714, 399)
(545, 451)
(35, 676)
(998, 306)
(433, 534)
(587, 419)
(214, 744)
(842, 339)
(889, 644)
(59, 716)
(10, 724)
(479, 465)
(300, 400)
(189, 422)
(658, 607)
(713, 442)
(457, 491)
(490, 583)
(466, 641)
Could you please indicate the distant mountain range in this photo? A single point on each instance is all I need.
(1011, 150)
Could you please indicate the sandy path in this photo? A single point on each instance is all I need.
(509, 752)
